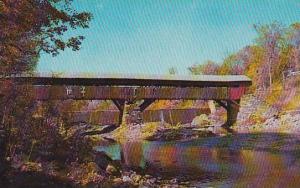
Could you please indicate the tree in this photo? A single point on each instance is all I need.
(234, 64)
(209, 68)
(173, 70)
(27, 28)
(270, 37)
(293, 38)
(253, 62)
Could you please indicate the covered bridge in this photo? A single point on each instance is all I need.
(226, 90)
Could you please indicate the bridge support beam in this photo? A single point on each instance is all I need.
(232, 107)
(222, 103)
(120, 104)
(146, 104)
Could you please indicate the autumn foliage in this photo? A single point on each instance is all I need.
(31, 26)
(275, 50)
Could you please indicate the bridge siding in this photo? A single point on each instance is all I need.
(129, 93)
(236, 93)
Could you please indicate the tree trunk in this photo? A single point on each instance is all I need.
(270, 74)
(3, 146)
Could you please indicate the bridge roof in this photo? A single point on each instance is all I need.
(135, 80)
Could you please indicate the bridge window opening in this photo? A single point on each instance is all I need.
(69, 90)
(82, 91)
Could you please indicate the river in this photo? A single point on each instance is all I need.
(238, 160)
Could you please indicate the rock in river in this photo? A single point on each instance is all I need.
(201, 120)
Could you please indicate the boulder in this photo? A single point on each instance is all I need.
(136, 178)
(117, 181)
(110, 169)
(127, 179)
(31, 166)
(201, 120)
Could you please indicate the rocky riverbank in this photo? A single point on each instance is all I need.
(132, 179)
(286, 123)
(202, 126)
(257, 116)
(104, 173)
(117, 174)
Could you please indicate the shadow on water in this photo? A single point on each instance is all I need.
(234, 159)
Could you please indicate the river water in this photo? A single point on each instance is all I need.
(239, 160)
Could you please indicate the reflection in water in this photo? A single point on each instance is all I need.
(132, 154)
(243, 161)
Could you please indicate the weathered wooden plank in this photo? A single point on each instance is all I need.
(236, 92)
(41, 93)
(146, 104)
(58, 92)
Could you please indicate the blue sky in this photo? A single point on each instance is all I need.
(150, 36)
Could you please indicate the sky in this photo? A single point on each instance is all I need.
(151, 36)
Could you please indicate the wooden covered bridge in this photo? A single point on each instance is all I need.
(121, 89)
